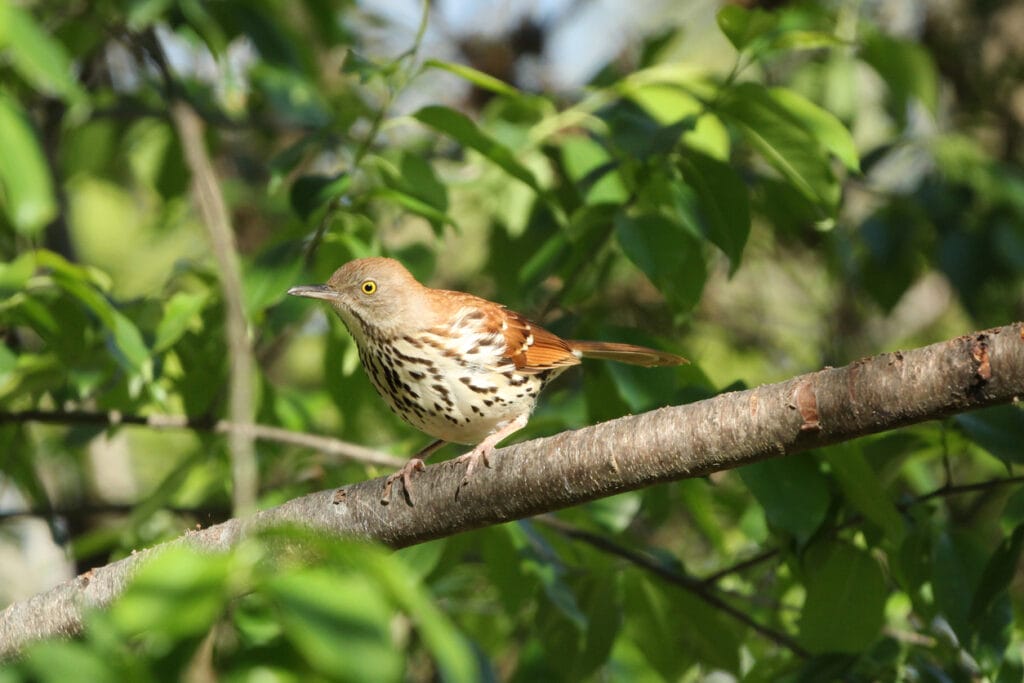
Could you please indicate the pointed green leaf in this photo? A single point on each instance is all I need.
(310, 193)
(339, 622)
(669, 255)
(27, 188)
(998, 430)
(906, 67)
(477, 78)
(783, 139)
(864, 490)
(463, 130)
(37, 57)
(179, 313)
(722, 202)
(743, 26)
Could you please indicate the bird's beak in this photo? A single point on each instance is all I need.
(314, 292)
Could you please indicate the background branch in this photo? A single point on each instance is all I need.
(324, 444)
(832, 405)
(214, 213)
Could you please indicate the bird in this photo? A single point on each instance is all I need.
(455, 366)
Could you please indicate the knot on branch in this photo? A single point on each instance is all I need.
(982, 365)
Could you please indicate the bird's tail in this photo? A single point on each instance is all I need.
(625, 353)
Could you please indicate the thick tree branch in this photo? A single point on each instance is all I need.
(813, 410)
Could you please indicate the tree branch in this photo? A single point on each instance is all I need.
(324, 444)
(821, 408)
(694, 586)
(214, 212)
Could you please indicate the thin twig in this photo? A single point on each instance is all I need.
(942, 492)
(691, 585)
(324, 444)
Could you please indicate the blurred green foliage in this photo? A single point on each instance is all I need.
(783, 190)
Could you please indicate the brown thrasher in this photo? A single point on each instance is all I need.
(457, 367)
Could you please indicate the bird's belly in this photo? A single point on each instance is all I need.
(451, 399)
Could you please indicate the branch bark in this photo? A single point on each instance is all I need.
(821, 408)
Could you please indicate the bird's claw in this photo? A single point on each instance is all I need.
(405, 474)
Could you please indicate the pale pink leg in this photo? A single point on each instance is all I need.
(415, 464)
(486, 447)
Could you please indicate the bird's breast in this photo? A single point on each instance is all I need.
(454, 383)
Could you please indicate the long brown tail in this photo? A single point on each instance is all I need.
(625, 353)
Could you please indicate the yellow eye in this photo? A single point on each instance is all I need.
(368, 287)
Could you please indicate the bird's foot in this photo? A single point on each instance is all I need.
(405, 474)
(480, 453)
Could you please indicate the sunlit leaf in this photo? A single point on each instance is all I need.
(180, 311)
(783, 139)
(40, 59)
(339, 622)
(477, 78)
(179, 592)
(464, 131)
(27, 196)
(743, 26)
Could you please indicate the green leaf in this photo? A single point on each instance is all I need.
(999, 571)
(180, 312)
(906, 67)
(698, 631)
(179, 593)
(590, 166)
(743, 26)
(667, 254)
(783, 139)
(477, 78)
(14, 274)
(27, 195)
(998, 430)
(864, 490)
(339, 622)
(311, 193)
(722, 202)
(793, 492)
(449, 647)
(803, 40)
(463, 130)
(37, 57)
(846, 594)
(266, 279)
(417, 206)
(651, 616)
(824, 127)
(957, 563)
(129, 342)
(69, 661)
(144, 13)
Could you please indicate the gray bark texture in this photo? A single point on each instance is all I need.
(825, 407)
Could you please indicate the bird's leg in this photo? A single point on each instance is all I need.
(486, 447)
(415, 464)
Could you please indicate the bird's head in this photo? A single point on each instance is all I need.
(373, 296)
